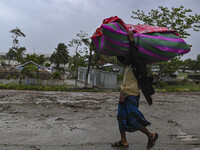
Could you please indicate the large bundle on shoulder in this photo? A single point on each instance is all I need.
(148, 44)
(155, 44)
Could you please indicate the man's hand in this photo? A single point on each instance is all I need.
(122, 98)
(131, 36)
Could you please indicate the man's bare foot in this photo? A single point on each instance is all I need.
(152, 140)
(120, 144)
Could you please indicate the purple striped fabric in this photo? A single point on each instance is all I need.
(153, 47)
(97, 44)
(117, 26)
(102, 44)
(169, 49)
(152, 54)
(115, 50)
(104, 26)
(116, 42)
(160, 38)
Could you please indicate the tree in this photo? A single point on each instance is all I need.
(193, 65)
(100, 60)
(30, 71)
(176, 19)
(172, 66)
(91, 46)
(10, 55)
(190, 64)
(56, 75)
(60, 56)
(39, 59)
(16, 33)
(77, 42)
(20, 53)
(198, 62)
(16, 51)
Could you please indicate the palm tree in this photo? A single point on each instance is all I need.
(11, 54)
(60, 56)
(20, 52)
(16, 51)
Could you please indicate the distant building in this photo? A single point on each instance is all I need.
(114, 67)
(20, 67)
(12, 62)
(42, 72)
(98, 78)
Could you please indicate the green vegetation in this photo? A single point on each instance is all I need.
(56, 75)
(30, 71)
(179, 88)
(178, 19)
(120, 77)
(182, 74)
(47, 64)
(39, 59)
(60, 56)
(164, 88)
(49, 88)
(3, 63)
(8, 77)
(16, 51)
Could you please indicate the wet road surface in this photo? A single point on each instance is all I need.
(31, 120)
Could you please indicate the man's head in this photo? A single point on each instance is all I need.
(125, 60)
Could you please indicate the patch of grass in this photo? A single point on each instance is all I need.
(185, 75)
(167, 88)
(179, 88)
(53, 88)
(31, 87)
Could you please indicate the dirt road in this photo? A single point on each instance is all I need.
(31, 120)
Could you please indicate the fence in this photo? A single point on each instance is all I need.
(39, 82)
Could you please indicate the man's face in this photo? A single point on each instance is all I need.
(127, 60)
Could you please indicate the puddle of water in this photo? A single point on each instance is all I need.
(186, 137)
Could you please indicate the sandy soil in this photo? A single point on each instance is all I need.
(31, 120)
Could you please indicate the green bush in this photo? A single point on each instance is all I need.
(30, 70)
(163, 84)
(56, 75)
(179, 88)
(8, 77)
(184, 81)
(47, 88)
(3, 63)
(120, 77)
(14, 77)
(47, 64)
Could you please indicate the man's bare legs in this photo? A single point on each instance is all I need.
(142, 129)
(145, 131)
(152, 137)
(123, 138)
(123, 142)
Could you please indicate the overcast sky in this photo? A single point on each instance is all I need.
(49, 22)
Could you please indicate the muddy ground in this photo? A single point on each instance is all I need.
(31, 120)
